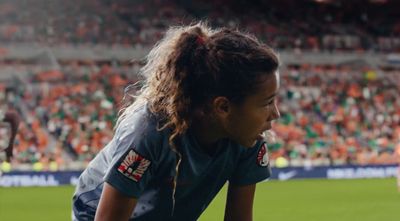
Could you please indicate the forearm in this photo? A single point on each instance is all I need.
(239, 204)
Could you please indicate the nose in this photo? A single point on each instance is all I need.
(275, 112)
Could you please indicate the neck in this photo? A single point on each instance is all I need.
(207, 133)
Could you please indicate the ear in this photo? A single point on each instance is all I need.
(221, 106)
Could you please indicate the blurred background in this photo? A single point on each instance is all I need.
(64, 66)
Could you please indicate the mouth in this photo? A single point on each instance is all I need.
(262, 135)
(267, 135)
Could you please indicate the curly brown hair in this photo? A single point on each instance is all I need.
(193, 64)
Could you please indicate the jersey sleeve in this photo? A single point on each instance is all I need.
(134, 160)
(253, 166)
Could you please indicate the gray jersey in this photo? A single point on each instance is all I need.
(139, 162)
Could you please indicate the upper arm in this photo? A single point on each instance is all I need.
(239, 203)
(113, 205)
(134, 159)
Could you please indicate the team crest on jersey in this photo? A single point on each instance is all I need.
(133, 166)
(262, 157)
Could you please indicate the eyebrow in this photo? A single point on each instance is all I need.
(270, 97)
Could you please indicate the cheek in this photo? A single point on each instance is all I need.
(253, 122)
(247, 123)
(239, 125)
(260, 116)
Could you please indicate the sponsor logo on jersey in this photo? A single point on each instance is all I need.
(133, 166)
(262, 157)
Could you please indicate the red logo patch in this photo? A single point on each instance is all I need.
(262, 157)
(134, 166)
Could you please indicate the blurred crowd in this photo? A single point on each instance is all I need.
(58, 22)
(329, 116)
(68, 114)
(332, 116)
(296, 25)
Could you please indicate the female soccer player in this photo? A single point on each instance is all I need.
(197, 123)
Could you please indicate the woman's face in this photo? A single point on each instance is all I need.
(246, 122)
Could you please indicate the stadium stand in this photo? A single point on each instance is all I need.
(304, 24)
(346, 117)
(349, 113)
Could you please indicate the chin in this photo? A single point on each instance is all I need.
(248, 144)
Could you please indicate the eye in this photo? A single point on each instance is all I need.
(271, 102)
